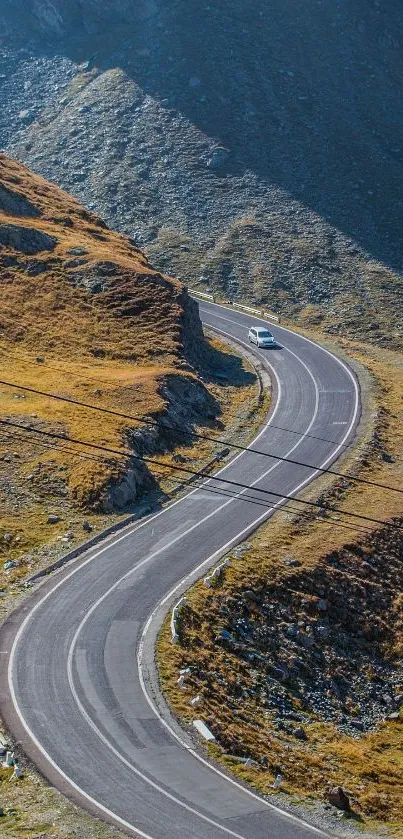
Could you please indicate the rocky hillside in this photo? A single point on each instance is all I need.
(45, 233)
(251, 147)
(297, 674)
(295, 648)
(85, 316)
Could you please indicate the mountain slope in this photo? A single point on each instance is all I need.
(85, 316)
(253, 147)
(45, 233)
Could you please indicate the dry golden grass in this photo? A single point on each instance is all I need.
(99, 326)
(33, 810)
(108, 384)
(371, 766)
(112, 349)
(48, 307)
(106, 348)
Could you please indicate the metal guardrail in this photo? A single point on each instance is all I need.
(259, 312)
(247, 308)
(201, 294)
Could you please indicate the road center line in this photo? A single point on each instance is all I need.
(22, 628)
(96, 605)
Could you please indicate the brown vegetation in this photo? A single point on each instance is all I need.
(86, 317)
(331, 717)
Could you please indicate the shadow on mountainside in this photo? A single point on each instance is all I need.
(306, 96)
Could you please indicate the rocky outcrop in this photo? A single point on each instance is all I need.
(321, 644)
(15, 204)
(338, 798)
(57, 19)
(27, 240)
(122, 493)
(97, 302)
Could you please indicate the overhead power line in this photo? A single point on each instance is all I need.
(195, 480)
(148, 460)
(56, 447)
(196, 435)
(98, 381)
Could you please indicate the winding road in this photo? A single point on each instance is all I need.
(77, 680)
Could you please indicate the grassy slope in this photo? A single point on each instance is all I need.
(118, 348)
(109, 331)
(87, 344)
(370, 765)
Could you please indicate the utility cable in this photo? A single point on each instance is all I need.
(197, 481)
(198, 436)
(147, 460)
(112, 382)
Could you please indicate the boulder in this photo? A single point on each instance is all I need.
(293, 563)
(16, 204)
(300, 733)
(10, 563)
(77, 251)
(338, 798)
(26, 239)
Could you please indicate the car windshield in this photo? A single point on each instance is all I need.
(263, 333)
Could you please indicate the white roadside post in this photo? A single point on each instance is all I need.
(197, 700)
(174, 619)
(9, 761)
(216, 573)
(205, 732)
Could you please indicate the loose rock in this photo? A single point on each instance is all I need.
(338, 798)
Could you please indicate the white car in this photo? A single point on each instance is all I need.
(261, 337)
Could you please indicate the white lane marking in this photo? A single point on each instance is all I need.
(126, 576)
(303, 338)
(94, 556)
(145, 560)
(131, 766)
(182, 584)
(109, 813)
(230, 320)
(287, 349)
(21, 629)
(356, 406)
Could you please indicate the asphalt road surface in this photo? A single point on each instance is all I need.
(73, 683)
